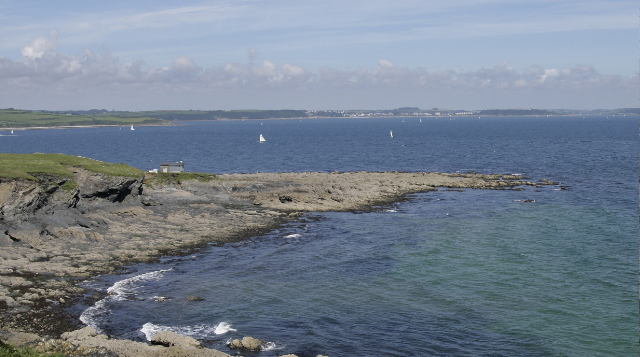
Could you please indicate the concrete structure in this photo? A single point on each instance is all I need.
(172, 167)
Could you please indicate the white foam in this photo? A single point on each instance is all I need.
(149, 330)
(223, 328)
(390, 210)
(198, 331)
(126, 286)
(89, 316)
(117, 292)
(268, 346)
(295, 235)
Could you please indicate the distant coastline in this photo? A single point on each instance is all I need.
(17, 119)
(79, 126)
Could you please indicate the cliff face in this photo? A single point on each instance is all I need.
(57, 202)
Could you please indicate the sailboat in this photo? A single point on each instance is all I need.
(391, 133)
(421, 120)
(132, 127)
(11, 131)
(261, 139)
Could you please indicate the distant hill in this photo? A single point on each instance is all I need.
(11, 118)
(225, 114)
(498, 112)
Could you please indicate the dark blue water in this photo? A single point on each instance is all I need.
(474, 273)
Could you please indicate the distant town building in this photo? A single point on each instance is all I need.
(172, 167)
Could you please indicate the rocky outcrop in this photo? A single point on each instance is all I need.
(54, 232)
(87, 342)
(21, 199)
(169, 338)
(17, 338)
(110, 188)
(247, 343)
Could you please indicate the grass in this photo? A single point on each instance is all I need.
(25, 118)
(7, 350)
(24, 165)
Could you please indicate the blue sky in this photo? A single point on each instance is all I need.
(368, 54)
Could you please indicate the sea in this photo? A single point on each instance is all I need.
(545, 271)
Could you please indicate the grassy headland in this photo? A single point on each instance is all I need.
(10, 118)
(24, 165)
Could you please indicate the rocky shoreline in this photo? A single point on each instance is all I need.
(52, 237)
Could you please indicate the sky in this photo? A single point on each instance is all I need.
(319, 55)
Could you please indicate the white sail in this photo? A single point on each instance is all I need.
(421, 120)
(11, 131)
(132, 127)
(262, 139)
(391, 133)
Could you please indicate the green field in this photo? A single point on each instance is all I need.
(224, 114)
(10, 118)
(24, 165)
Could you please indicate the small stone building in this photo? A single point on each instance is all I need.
(172, 167)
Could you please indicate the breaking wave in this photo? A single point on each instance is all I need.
(197, 331)
(122, 290)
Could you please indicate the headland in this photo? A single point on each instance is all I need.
(86, 218)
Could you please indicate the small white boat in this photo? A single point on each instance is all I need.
(391, 133)
(421, 120)
(11, 131)
(132, 127)
(261, 139)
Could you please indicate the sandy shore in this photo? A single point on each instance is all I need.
(48, 246)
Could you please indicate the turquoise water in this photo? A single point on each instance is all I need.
(473, 273)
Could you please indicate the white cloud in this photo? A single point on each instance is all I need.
(184, 64)
(268, 69)
(293, 70)
(549, 73)
(88, 77)
(41, 45)
(383, 63)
